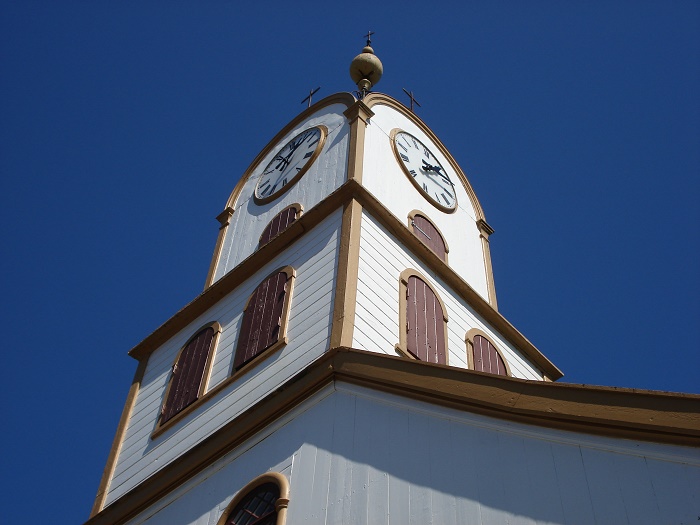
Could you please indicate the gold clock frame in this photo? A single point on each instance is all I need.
(426, 196)
(322, 141)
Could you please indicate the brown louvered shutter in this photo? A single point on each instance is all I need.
(429, 235)
(425, 329)
(188, 373)
(278, 224)
(487, 358)
(262, 319)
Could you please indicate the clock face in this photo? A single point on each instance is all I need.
(425, 171)
(289, 164)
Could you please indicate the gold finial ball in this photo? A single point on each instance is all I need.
(366, 69)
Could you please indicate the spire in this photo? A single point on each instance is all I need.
(366, 69)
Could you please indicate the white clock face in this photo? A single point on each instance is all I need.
(425, 171)
(289, 164)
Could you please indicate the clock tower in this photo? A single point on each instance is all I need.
(347, 363)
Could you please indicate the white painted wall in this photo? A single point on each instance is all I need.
(382, 259)
(325, 175)
(383, 177)
(314, 256)
(356, 456)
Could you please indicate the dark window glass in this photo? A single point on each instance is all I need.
(188, 374)
(429, 235)
(257, 507)
(262, 319)
(278, 224)
(487, 358)
(425, 330)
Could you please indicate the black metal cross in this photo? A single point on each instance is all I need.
(311, 94)
(368, 36)
(413, 99)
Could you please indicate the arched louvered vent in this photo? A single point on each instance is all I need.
(428, 234)
(425, 329)
(263, 318)
(188, 374)
(279, 223)
(487, 358)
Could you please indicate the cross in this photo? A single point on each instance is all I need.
(311, 94)
(413, 100)
(368, 36)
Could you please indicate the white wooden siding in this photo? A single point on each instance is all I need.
(325, 175)
(314, 257)
(357, 456)
(384, 178)
(382, 259)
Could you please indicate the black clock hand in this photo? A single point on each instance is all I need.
(437, 170)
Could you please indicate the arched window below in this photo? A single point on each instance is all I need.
(190, 372)
(262, 502)
(483, 356)
(279, 223)
(428, 234)
(264, 326)
(422, 320)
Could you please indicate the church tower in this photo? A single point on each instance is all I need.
(346, 361)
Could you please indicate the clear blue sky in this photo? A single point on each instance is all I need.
(125, 125)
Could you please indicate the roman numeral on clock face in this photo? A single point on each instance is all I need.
(405, 158)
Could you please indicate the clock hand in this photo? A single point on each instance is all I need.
(437, 170)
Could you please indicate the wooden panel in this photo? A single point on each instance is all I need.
(376, 319)
(188, 374)
(315, 258)
(429, 235)
(487, 358)
(280, 223)
(425, 332)
(262, 319)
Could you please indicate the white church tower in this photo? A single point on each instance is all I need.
(346, 362)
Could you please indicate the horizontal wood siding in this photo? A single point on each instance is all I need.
(382, 259)
(314, 258)
(353, 455)
(325, 175)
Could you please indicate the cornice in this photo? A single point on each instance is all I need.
(350, 190)
(641, 415)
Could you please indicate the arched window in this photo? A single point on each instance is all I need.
(190, 372)
(428, 233)
(265, 316)
(483, 356)
(423, 320)
(279, 223)
(262, 502)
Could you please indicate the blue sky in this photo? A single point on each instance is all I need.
(125, 125)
